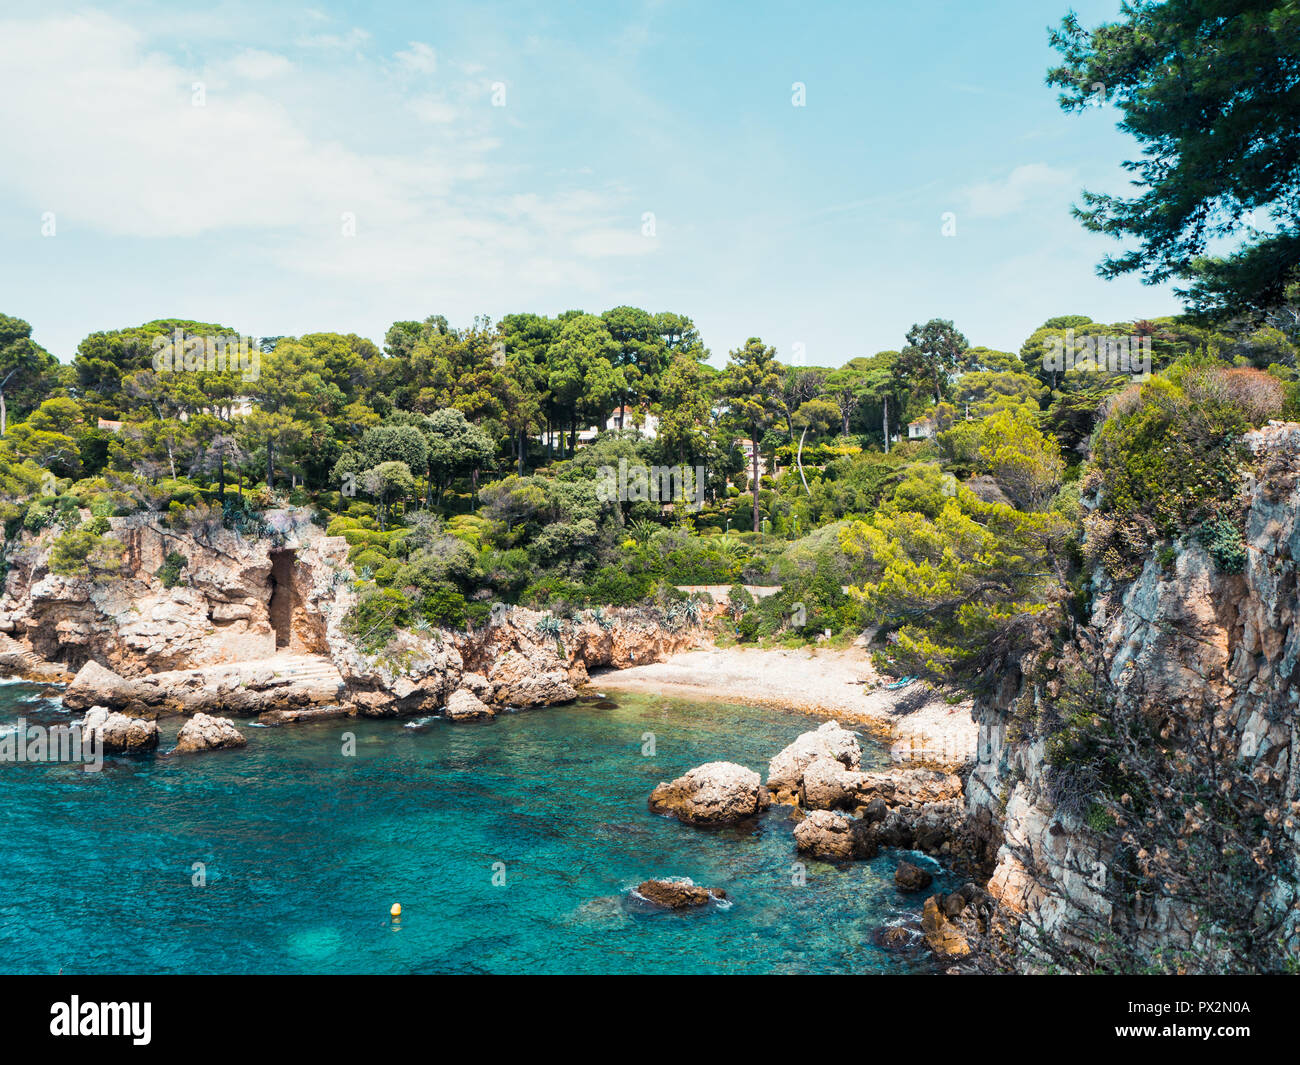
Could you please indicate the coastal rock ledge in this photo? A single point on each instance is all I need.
(716, 793)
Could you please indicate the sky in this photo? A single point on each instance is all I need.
(282, 170)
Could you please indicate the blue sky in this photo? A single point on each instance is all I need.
(817, 226)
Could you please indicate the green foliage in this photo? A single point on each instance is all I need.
(79, 552)
(170, 571)
(376, 616)
(1224, 542)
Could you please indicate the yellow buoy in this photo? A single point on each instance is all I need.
(396, 910)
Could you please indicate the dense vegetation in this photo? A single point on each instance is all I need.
(450, 461)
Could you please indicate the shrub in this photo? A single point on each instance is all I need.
(1223, 540)
(82, 553)
(170, 571)
(376, 616)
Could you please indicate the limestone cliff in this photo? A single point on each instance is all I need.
(255, 625)
(1188, 645)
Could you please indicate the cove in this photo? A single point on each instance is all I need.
(511, 846)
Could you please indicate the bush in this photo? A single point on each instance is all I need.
(170, 571)
(376, 616)
(1223, 540)
(81, 553)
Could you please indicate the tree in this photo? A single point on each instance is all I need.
(388, 482)
(455, 446)
(1211, 92)
(819, 415)
(26, 368)
(752, 388)
(934, 353)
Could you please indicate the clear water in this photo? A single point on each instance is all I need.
(305, 851)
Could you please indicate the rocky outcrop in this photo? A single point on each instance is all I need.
(835, 835)
(827, 785)
(715, 793)
(530, 677)
(218, 612)
(252, 688)
(205, 733)
(831, 741)
(119, 733)
(941, 935)
(1185, 638)
(464, 705)
(677, 894)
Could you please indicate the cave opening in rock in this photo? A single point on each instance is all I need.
(280, 607)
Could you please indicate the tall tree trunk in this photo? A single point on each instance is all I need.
(270, 464)
(798, 459)
(886, 421)
(523, 443)
(753, 443)
(4, 413)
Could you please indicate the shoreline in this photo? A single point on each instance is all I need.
(838, 684)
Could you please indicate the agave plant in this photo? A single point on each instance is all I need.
(602, 619)
(550, 626)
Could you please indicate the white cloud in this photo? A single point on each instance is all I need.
(256, 65)
(432, 109)
(352, 40)
(996, 199)
(101, 129)
(420, 58)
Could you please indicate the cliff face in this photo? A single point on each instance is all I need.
(220, 612)
(255, 625)
(1181, 637)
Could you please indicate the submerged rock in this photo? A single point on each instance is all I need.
(118, 733)
(712, 794)
(677, 894)
(203, 732)
(464, 705)
(910, 877)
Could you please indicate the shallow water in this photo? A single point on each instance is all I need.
(511, 845)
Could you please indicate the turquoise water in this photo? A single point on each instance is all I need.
(306, 849)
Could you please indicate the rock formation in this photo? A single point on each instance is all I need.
(712, 794)
(1183, 641)
(464, 705)
(118, 733)
(677, 894)
(205, 733)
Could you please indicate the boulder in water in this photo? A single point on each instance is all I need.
(118, 733)
(463, 705)
(911, 877)
(677, 894)
(203, 732)
(715, 793)
(785, 771)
